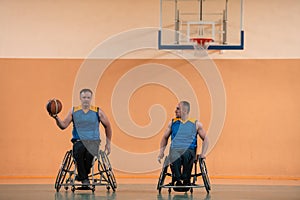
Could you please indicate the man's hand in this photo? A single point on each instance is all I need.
(202, 156)
(107, 149)
(160, 156)
(52, 115)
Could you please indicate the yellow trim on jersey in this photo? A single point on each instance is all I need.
(76, 108)
(189, 119)
(92, 108)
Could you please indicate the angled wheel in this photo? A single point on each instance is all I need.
(204, 174)
(65, 167)
(108, 170)
(163, 174)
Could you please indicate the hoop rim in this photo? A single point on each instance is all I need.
(202, 41)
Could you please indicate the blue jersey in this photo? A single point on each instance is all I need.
(183, 134)
(85, 125)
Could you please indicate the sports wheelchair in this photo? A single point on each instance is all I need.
(164, 173)
(101, 176)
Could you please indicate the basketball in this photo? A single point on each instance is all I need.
(54, 106)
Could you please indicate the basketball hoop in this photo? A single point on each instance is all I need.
(201, 45)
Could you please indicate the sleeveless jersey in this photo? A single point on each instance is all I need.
(183, 134)
(85, 125)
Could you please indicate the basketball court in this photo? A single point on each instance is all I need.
(146, 189)
(236, 62)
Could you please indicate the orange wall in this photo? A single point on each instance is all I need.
(260, 135)
(71, 29)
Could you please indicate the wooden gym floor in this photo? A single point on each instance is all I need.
(132, 189)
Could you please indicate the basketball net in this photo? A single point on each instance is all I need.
(200, 50)
(201, 46)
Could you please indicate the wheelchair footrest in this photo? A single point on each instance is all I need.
(183, 186)
(84, 188)
(80, 185)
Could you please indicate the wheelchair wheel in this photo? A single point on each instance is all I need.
(65, 167)
(108, 170)
(163, 174)
(204, 175)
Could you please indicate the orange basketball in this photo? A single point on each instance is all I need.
(54, 106)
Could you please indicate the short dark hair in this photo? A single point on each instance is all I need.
(186, 105)
(86, 90)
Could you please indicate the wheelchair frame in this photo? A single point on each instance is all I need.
(103, 177)
(164, 173)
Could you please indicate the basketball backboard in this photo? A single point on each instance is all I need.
(185, 21)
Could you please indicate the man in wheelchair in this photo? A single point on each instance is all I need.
(86, 134)
(183, 131)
